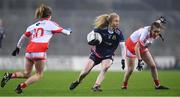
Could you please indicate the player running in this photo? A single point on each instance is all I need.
(40, 33)
(137, 46)
(107, 26)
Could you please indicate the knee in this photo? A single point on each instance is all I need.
(85, 72)
(153, 67)
(130, 69)
(106, 68)
(27, 74)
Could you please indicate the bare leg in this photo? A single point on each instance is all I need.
(27, 71)
(147, 57)
(39, 66)
(130, 67)
(85, 71)
(25, 74)
(105, 66)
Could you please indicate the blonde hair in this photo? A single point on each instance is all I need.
(43, 11)
(104, 20)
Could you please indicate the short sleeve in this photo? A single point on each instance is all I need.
(28, 32)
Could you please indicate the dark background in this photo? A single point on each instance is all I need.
(79, 15)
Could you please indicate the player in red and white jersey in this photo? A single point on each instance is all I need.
(40, 34)
(137, 46)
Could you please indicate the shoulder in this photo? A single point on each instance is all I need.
(119, 31)
(142, 30)
(120, 35)
(100, 30)
(31, 27)
(52, 23)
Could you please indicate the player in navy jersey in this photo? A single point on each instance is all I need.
(107, 26)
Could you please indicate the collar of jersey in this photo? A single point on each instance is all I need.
(44, 19)
(111, 32)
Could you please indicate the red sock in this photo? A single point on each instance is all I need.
(14, 75)
(125, 84)
(157, 83)
(23, 85)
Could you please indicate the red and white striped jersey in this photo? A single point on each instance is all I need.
(40, 33)
(142, 35)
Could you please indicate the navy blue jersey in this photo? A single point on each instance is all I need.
(110, 42)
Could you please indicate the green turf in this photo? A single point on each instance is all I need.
(56, 83)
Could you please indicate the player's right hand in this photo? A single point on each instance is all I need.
(123, 64)
(140, 65)
(15, 52)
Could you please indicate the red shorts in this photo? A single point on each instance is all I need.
(130, 51)
(36, 55)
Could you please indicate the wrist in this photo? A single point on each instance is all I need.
(18, 47)
(139, 60)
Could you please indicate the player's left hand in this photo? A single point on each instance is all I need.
(123, 64)
(140, 65)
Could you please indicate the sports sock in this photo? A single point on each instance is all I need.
(157, 83)
(23, 85)
(125, 84)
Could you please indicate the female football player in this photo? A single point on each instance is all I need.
(40, 33)
(107, 26)
(137, 46)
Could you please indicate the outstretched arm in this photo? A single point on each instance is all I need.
(21, 41)
(67, 31)
(19, 44)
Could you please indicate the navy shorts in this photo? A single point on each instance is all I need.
(98, 60)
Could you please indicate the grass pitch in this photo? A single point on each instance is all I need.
(56, 83)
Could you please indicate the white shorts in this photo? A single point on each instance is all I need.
(129, 54)
(36, 56)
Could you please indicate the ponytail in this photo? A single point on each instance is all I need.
(104, 20)
(159, 24)
(43, 11)
(101, 21)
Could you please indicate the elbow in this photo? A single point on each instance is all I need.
(122, 45)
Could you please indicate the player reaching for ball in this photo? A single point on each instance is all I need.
(40, 33)
(106, 27)
(137, 46)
